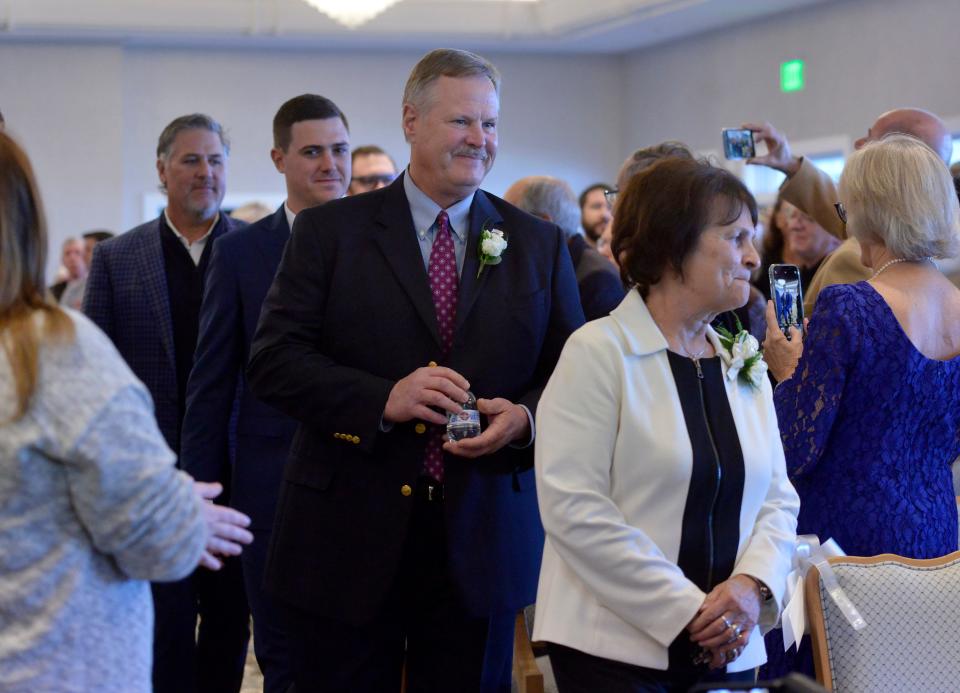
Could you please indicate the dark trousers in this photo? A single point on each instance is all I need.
(423, 619)
(269, 636)
(209, 659)
(497, 676)
(579, 672)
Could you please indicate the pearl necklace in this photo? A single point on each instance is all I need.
(895, 261)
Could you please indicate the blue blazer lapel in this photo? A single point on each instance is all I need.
(398, 241)
(154, 278)
(273, 240)
(482, 212)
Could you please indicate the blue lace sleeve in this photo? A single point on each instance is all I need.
(807, 402)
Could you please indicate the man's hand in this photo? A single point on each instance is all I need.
(226, 527)
(778, 154)
(412, 397)
(506, 422)
(781, 354)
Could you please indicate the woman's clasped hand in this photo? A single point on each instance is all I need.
(723, 624)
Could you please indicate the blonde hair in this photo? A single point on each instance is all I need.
(446, 62)
(898, 191)
(23, 256)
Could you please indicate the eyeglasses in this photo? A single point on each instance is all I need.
(611, 196)
(841, 211)
(374, 180)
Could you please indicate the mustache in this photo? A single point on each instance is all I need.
(472, 152)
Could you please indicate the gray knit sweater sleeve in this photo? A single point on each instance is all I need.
(92, 432)
(129, 496)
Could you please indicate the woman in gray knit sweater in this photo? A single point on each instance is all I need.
(91, 505)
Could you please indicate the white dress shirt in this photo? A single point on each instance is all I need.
(196, 247)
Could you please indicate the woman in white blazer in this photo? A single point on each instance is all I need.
(670, 521)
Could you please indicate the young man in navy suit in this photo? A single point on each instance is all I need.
(389, 541)
(312, 151)
(144, 290)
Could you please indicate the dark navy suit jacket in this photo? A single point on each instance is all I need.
(601, 289)
(350, 313)
(241, 270)
(127, 297)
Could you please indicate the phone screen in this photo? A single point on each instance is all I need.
(738, 143)
(787, 296)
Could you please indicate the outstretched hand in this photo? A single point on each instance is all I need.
(778, 154)
(506, 422)
(226, 527)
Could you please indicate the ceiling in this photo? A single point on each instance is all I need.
(555, 26)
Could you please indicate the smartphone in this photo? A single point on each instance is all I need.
(738, 143)
(787, 296)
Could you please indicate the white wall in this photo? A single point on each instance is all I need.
(863, 57)
(64, 106)
(89, 116)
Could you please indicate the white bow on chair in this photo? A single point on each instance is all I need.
(809, 552)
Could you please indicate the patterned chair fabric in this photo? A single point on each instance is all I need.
(912, 610)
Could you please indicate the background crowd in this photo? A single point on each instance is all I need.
(304, 363)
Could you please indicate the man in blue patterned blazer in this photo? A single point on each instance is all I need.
(144, 290)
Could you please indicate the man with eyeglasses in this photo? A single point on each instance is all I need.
(813, 191)
(552, 199)
(372, 169)
(596, 211)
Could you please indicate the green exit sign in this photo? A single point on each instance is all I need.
(791, 75)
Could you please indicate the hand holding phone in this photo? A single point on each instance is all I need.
(738, 143)
(787, 295)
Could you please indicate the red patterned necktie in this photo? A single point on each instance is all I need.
(444, 285)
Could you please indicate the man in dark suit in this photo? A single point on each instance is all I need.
(144, 290)
(384, 312)
(312, 151)
(601, 289)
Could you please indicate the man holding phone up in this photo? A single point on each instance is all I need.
(814, 192)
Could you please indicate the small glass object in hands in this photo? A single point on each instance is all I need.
(466, 422)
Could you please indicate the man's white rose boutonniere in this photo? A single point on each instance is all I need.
(492, 245)
(742, 356)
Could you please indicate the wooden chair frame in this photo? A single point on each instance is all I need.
(818, 627)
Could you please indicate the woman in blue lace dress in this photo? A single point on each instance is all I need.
(869, 400)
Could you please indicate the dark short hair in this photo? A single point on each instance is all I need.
(664, 210)
(300, 108)
(194, 121)
(370, 150)
(2, 121)
(589, 189)
(99, 235)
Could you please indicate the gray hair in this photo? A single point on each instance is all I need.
(898, 190)
(646, 156)
(446, 62)
(189, 122)
(551, 198)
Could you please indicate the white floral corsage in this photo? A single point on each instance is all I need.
(741, 353)
(492, 245)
